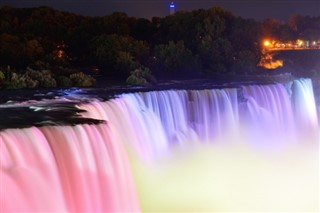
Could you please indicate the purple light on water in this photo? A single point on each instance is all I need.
(218, 149)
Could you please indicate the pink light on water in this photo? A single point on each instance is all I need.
(65, 169)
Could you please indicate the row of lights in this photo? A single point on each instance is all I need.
(299, 42)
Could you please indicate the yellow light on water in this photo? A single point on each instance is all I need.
(229, 178)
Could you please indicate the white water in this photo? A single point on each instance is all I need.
(205, 150)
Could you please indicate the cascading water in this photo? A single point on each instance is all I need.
(65, 169)
(153, 121)
(238, 149)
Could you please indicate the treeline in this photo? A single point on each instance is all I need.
(188, 44)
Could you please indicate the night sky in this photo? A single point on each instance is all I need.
(257, 9)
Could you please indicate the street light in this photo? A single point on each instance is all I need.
(266, 43)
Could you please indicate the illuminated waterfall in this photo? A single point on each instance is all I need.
(233, 149)
(153, 121)
(65, 169)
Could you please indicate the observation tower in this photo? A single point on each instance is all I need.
(172, 7)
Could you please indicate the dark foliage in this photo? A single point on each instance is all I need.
(187, 44)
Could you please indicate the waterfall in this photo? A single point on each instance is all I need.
(65, 169)
(122, 164)
(153, 121)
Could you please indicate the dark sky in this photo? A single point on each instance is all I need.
(257, 9)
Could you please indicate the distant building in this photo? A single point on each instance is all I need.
(172, 8)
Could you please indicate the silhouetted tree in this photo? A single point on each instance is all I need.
(119, 55)
(175, 60)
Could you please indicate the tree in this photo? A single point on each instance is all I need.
(175, 60)
(119, 55)
(143, 29)
(12, 51)
(117, 23)
(277, 30)
(34, 50)
(245, 62)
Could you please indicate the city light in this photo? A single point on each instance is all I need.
(298, 44)
(266, 43)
